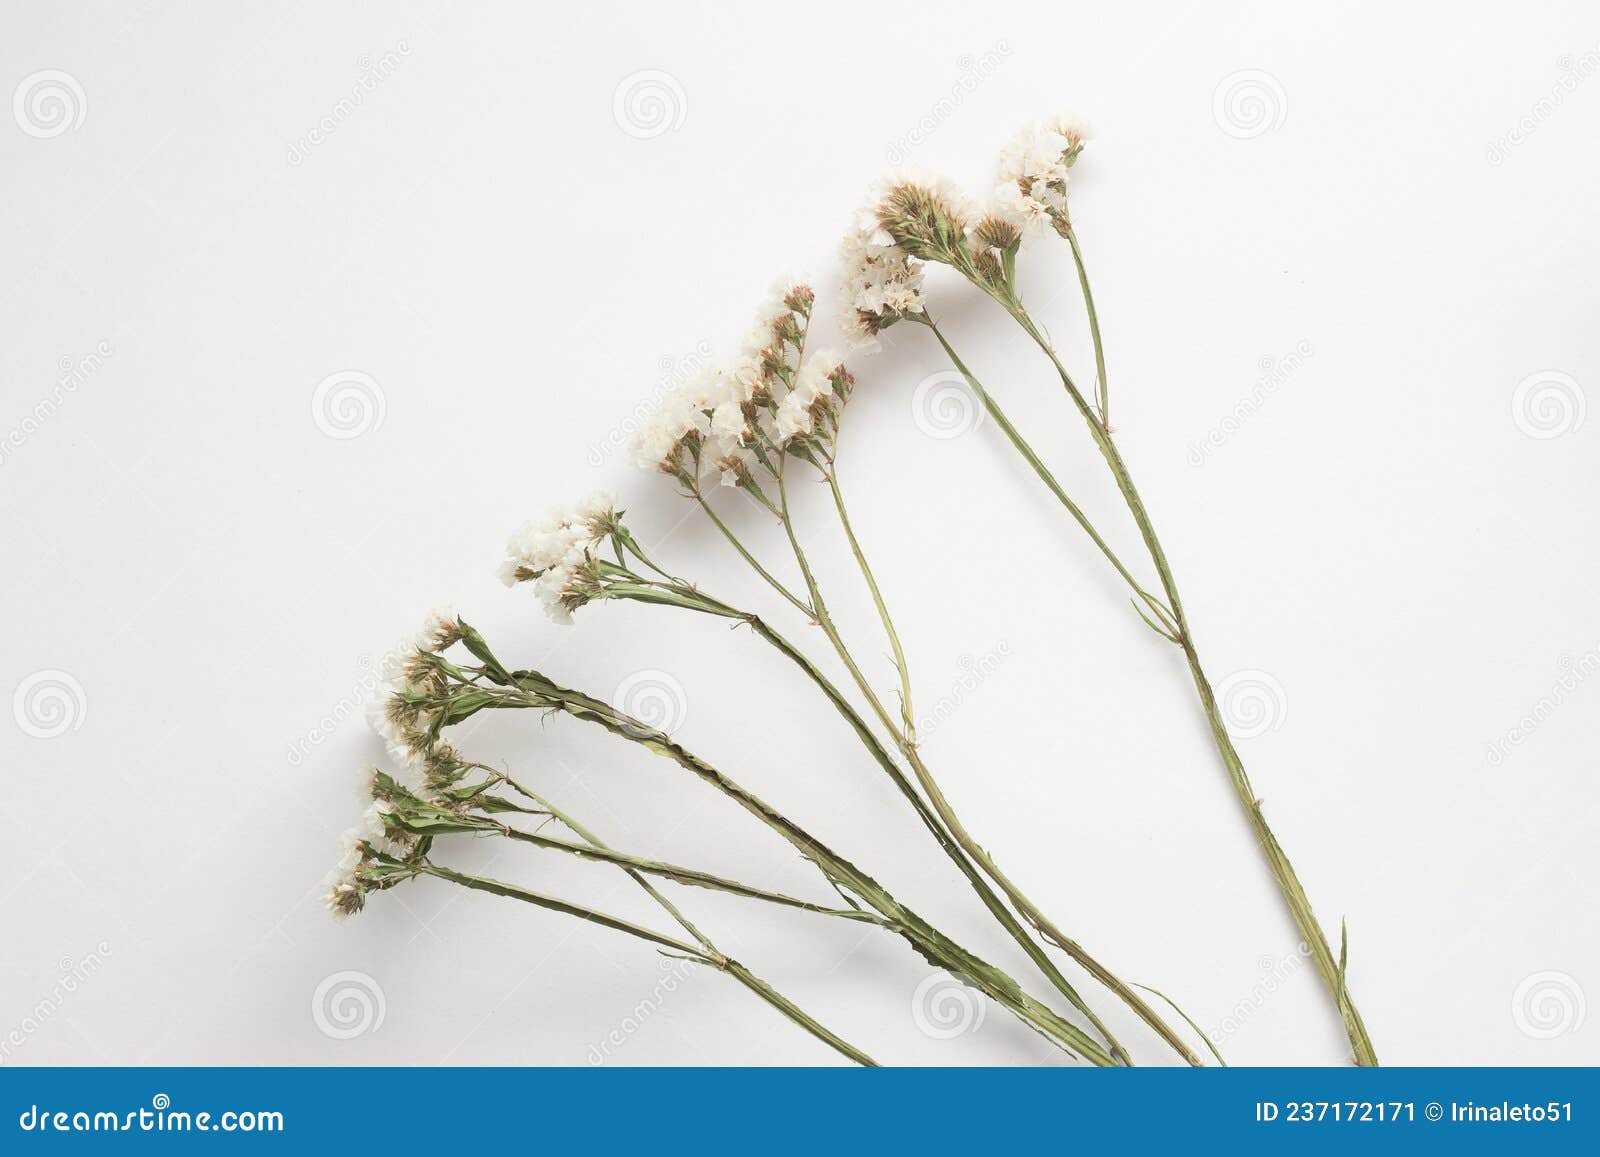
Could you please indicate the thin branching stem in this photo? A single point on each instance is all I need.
(932, 945)
(1277, 859)
(966, 851)
(694, 951)
(1094, 330)
(964, 839)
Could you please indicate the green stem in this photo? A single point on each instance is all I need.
(678, 874)
(927, 941)
(694, 952)
(1039, 468)
(1094, 328)
(1028, 909)
(589, 837)
(750, 558)
(906, 712)
(1277, 860)
(964, 851)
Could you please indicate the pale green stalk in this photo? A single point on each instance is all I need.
(1039, 468)
(1094, 329)
(1277, 860)
(869, 739)
(941, 805)
(700, 952)
(933, 945)
(636, 869)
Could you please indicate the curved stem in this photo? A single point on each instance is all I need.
(589, 837)
(1094, 329)
(694, 952)
(965, 850)
(935, 947)
(947, 842)
(1277, 860)
(1029, 910)
(679, 874)
(750, 558)
(907, 714)
(1022, 447)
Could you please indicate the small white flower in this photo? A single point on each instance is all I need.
(439, 630)
(557, 552)
(880, 281)
(813, 385)
(794, 419)
(1033, 174)
(658, 441)
(359, 845)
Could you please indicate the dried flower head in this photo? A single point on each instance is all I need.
(1032, 188)
(368, 851)
(811, 408)
(926, 216)
(557, 554)
(881, 282)
(670, 440)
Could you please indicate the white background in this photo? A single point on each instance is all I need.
(517, 262)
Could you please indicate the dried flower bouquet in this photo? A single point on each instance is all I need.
(771, 419)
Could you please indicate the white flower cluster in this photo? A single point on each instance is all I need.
(881, 281)
(1033, 176)
(812, 395)
(557, 554)
(358, 847)
(406, 675)
(716, 423)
